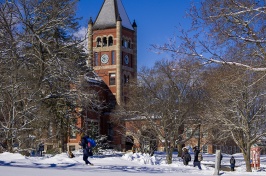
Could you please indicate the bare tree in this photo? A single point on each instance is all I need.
(238, 105)
(230, 32)
(163, 102)
(226, 32)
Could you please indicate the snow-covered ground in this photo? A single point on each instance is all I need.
(116, 164)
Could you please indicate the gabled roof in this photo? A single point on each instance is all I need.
(111, 11)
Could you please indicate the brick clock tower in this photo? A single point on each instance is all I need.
(112, 46)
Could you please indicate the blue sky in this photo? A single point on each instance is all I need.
(157, 21)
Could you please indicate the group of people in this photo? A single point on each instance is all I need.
(187, 157)
(87, 151)
(198, 158)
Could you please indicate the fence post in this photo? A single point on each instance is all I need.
(217, 163)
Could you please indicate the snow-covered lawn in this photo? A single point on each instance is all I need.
(115, 165)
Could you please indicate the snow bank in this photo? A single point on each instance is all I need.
(11, 156)
(141, 158)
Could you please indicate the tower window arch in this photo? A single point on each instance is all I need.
(126, 79)
(110, 41)
(123, 41)
(104, 41)
(126, 43)
(99, 42)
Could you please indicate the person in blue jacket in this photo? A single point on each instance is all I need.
(86, 150)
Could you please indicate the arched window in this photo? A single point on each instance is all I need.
(122, 42)
(125, 44)
(126, 79)
(110, 41)
(99, 42)
(104, 41)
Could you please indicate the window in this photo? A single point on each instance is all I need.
(197, 134)
(73, 134)
(125, 44)
(113, 57)
(205, 134)
(110, 41)
(72, 148)
(95, 59)
(189, 132)
(112, 79)
(205, 148)
(110, 132)
(126, 79)
(50, 147)
(104, 41)
(99, 42)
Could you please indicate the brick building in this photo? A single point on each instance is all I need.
(112, 48)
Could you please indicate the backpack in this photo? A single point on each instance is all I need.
(91, 143)
(187, 157)
(200, 157)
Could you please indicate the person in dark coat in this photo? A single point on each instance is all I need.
(221, 157)
(232, 163)
(86, 150)
(185, 156)
(196, 155)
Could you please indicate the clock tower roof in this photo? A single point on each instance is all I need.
(111, 11)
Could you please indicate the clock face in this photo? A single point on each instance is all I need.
(126, 59)
(104, 59)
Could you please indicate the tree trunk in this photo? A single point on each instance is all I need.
(179, 148)
(9, 145)
(169, 153)
(246, 155)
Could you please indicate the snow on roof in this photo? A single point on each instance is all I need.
(92, 77)
(110, 11)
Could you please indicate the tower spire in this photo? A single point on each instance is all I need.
(109, 13)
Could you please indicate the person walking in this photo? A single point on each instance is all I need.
(185, 156)
(232, 163)
(86, 150)
(221, 157)
(197, 157)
